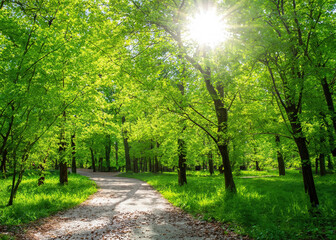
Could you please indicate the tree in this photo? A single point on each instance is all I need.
(285, 35)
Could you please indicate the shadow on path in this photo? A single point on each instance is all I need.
(125, 208)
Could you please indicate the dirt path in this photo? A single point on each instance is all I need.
(125, 208)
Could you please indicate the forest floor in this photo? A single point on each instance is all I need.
(125, 208)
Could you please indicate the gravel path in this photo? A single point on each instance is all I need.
(125, 208)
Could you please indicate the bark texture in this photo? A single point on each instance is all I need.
(126, 147)
(182, 166)
(281, 162)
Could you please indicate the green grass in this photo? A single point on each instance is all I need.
(33, 202)
(264, 208)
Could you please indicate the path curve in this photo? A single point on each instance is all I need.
(124, 208)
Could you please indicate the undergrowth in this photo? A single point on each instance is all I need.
(263, 208)
(33, 201)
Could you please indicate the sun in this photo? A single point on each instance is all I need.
(207, 28)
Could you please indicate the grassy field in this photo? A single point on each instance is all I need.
(264, 207)
(33, 202)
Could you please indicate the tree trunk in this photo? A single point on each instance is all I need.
(93, 160)
(73, 153)
(135, 165)
(211, 166)
(307, 173)
(229, 183)
(63, 173)
(126, 147)
(156, 165)
(150, 164)
(182, 166)
(62, 146)
(330, 104)
(3, 162)
(41, 179)
(257, 166)
(15, 185)
(145, 165)
(281, 162)
(316, 165)
(12, 195)
(217, 95)
(3, 149)
(56, 164)
(108, 152)
(116, 153)
(322, 165)
(101, 164)
(140, 165)
(330, 165)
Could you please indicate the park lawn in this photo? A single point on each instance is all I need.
(264, 207)
(33, 202)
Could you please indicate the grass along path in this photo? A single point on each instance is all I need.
(264, 208)
(33, 202)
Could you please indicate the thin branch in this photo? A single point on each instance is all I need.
(274, 84)
(203, 116)
(234, 97)
(282, 115)
(197, 124)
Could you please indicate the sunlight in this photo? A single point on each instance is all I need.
(208, 28)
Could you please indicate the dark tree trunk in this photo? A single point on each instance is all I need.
(101, 164)
(156, 165)
(330, 165)
(3, 149)
(330, 104)
(4, 161)
(108, 152)
(322, 165)
(56, 164)
(41, 179)
(93, 160)
(116, 153)
(63, 173)
(141, 165)
(12, 195)
(229, 183)
(182, 158)
(135, 165)
(316, 165)
(300, 141)
(281, 162)
(257, 166)
(126, 147)
(15, 185)
(73, 153)
(182, 166)
(127, 156)
(63, 164)
(211, 166)
(145, 165)
(217, 95)
(150, 165)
